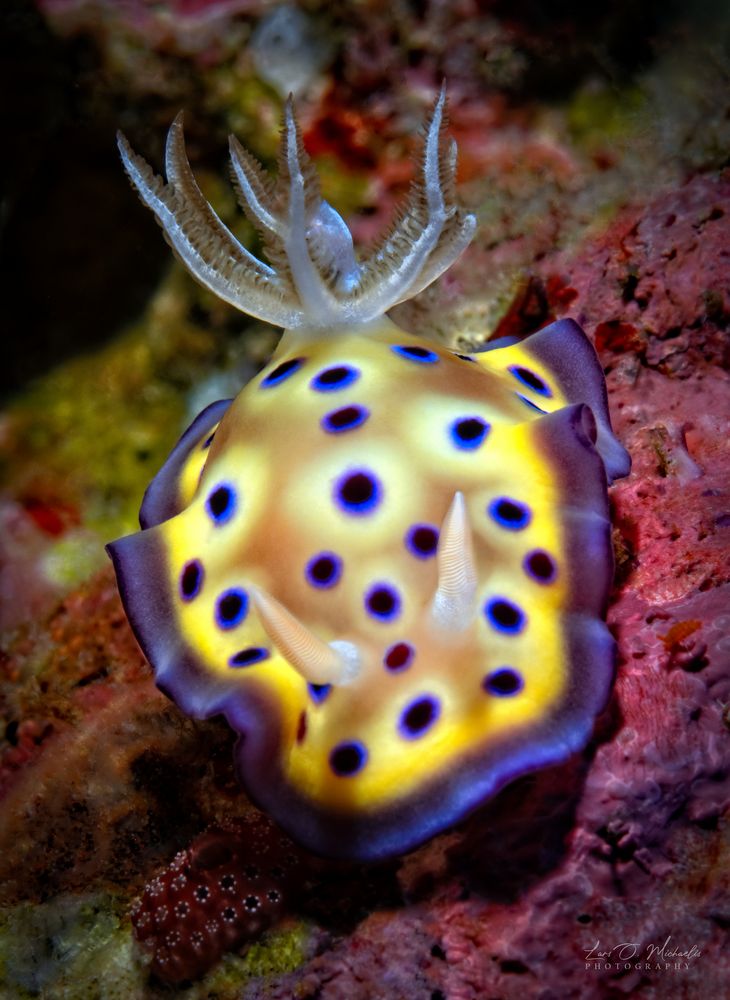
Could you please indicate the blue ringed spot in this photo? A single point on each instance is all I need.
(531, 379)
(422, 540)
(383, 602)
(231, 608)
(332, 379)
(504, 681)
(345, 419)
(319, 692)
(347, 759)
(324, 570)
(399, 656)
(505, 616)
(358, 492)
(528, 402)
(221, 503)
(281, 372)
(418, 717)
(468, 433)
(421, 355)
(540, 566)
(509, 513)
(247, 657)
(191, 579)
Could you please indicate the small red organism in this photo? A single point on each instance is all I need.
(226, 889)
(614, 335)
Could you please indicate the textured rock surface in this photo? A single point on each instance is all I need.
(614, 210)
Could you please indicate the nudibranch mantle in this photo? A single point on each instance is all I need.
(385, 563)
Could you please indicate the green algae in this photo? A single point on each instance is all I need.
(600, 115)
(72, 948)
(82, 948)
(95, 430)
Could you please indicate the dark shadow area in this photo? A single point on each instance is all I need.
(76, 257)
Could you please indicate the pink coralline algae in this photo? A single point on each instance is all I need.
(226, 889)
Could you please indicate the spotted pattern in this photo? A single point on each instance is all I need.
(421, 355)
(510, 513)
(231, 608)
(335, 378)
(347, 418)
(529, 403)
(319, 692)
(191, 579)
(422, 540)
(505, 616)
(383, 602)
(221, 503)
(418, 717)
(324, 570)
(502, 682)
(530, 379)
(348, 758)
(398, 657)
(282, 372)
(468, 433)
(358, 492)
(540, 565)
(249, 656)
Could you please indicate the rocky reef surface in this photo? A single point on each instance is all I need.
(594, 150)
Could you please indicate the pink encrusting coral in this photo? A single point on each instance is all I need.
(225, 890)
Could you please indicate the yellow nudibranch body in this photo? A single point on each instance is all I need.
(385, 562)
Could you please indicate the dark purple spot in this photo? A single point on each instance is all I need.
(504, 681)
(504, 615)
(208, 441)
(231, 608)
(191, 579)
(332, 379)
(302, 727)
(510, 513)
(530, 379)
(319, 692)
(221, 503)
(399, 656)
(324, 570)
(541, 566)
(348, 758)
(419, 354)
(419, 716)
(465, 357)
(468, 433)
(383, 602)
(358, 492)
(422, 540)
(528, 402)
(345, 419)
(281, 372)
(247, 657)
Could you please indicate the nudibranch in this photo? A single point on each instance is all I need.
(386, 563)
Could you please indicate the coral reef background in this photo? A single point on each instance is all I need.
(594, 148)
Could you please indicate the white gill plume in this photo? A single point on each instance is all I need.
(313, 278)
